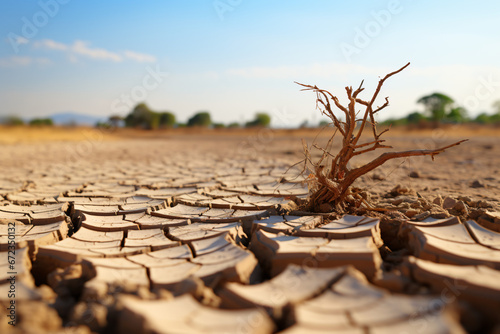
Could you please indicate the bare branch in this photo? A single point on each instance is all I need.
(383, 158)
(383, 106)
(367, 144)
(359, 90)
(369, 106)
(384, 131)
(381, 82)
(365, 103)
(373, 148)
(323, 150)
(332, 185)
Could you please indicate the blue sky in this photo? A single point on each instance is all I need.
(236, 57)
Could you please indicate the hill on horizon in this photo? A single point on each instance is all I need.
(74, 118)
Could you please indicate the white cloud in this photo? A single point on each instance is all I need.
(82, 48)
(21, 40)
(20, 61)
(140, 57)
(51, 45)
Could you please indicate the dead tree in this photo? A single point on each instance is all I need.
(330, 178)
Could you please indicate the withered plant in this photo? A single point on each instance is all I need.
(330, 178)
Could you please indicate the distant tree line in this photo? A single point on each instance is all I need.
(15, 120)
(144, 118)
(440, 108)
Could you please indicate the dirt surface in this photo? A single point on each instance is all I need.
(201, 233)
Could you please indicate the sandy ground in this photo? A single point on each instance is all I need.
(97, 212)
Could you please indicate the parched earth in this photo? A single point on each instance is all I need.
(202, 234)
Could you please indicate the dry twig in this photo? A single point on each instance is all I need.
(330, 178)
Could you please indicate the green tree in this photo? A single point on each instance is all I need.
(234, 125)
(261, 119)
(482, 118)
(102, 125)
(436, 105)
(41, 122)
(495, 118)
(395, 122)
(140, 116)
(219, 126)
(457, 115)
(154, 122)
(167, 119)
(12, 121)
(415, 117)
(323, 123)
(115, 120)
(201, 118)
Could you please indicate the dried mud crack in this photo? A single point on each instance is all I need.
(190, 240)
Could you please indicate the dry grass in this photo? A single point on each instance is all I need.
(32, 135)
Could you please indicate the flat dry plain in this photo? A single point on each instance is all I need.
(197, 232)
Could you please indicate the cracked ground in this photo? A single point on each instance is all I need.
(201, 234)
